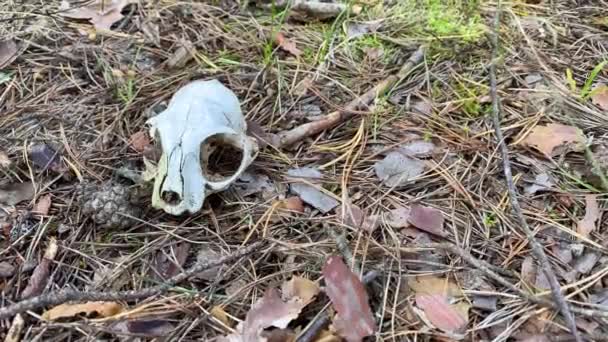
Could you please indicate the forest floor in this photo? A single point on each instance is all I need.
(393, 223)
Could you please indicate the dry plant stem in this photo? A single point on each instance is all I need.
(323, 320)
(537, 249)
(315, 9)
(56, 298)
(333, 119)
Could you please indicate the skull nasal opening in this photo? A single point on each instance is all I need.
(170, 197)
(221, 157)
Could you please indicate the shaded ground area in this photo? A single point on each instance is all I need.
(408, 191)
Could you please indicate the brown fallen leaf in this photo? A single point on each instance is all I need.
(8, 52)
(292, 203)
(14, 193)
(442, 302)
(41, 273)
(169, 262)
(351, 215)
(554, 139)
(268, 311)
(428, 219)
(101, 13)
(599, 97)
(300, 289)
(287, 44)
(43, 205)
(102, 309)
(139, 141)
(592, 215)
(354, 319)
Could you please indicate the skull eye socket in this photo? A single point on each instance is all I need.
(221, 157)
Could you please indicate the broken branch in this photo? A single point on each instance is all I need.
(56, 298)
(331, 120)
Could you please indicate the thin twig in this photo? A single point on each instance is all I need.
(333, 119)
(56, 298)
(537, 249)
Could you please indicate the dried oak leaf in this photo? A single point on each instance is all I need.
(43, 205)
(554, 139)
(354, 319)
(41, 273)
(102, 309)
(300, 289)
(428, 219)
(287, 44)
(599, 97)
(437, 297)
(8, 52)
(268, 311)
(101, 13)
(14, 193)
(308, 192)
(592, 215)
(139, 141)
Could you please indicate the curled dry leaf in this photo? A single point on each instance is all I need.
(442, 303)
(139, 141)
(398, 169)
(8, 52)
(102, 309)
(428, 219)
(309, 193)
(354, 319)
(101, 13)
(300, 289)
(599, 97)
(14, 193)
(554, 139)
(287, 44)
(169, 263)
(592, 215)
(45, 157)
(43, 205)
(268, 311)
(41, 273)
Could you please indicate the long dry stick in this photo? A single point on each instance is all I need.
(56, 298)
(333, 119)
(537, 249)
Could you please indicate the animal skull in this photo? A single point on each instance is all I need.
(199, 115)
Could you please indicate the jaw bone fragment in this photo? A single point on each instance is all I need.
(201, 117)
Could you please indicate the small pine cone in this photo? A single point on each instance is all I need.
(109, 206)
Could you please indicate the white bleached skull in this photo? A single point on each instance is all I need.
(202, 117)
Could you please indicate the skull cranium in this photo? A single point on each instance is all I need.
(199, 115)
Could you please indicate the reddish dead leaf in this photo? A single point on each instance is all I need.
(268, 311)
(354, 319)
(287, 44)
(43, 205)
(8, 52)
(592, 215)
(41, 273)
(102, 309)
(139, 141)
(428, 219)
(351, 215)
(599, 97)
(101, 13)
(293, 203)
(554, 139)
(436, 297)
(169, 263)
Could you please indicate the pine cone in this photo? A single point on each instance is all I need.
(109, 205)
